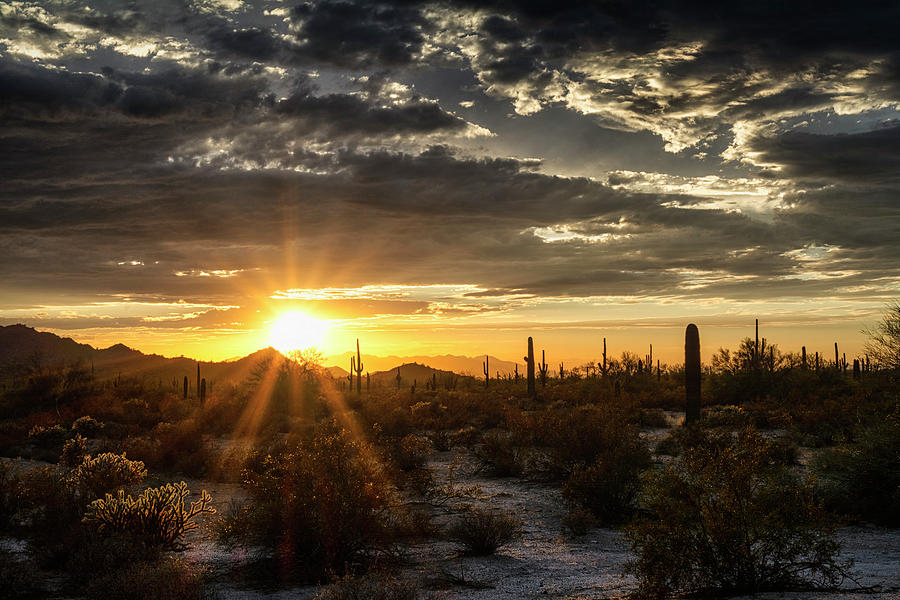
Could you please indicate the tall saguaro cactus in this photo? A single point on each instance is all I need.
(529, 361)
(358, 369)
(487, 371)
(604, 357)
(692, 373)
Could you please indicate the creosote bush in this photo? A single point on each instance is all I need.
(481, 532)
(862, 479)
(320, 507)
(730, 518)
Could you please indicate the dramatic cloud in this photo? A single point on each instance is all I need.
(539, 153)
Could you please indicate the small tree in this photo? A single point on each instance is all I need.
(884, 339)
(730, 518)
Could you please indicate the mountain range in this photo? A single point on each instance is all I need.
(24, 348)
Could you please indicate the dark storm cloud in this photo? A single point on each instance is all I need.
(37, 94)
(343, 114)
(871, 157)
(358, 34)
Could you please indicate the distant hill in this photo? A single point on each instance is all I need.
(464, 365)
(25, 348)
(410, 372)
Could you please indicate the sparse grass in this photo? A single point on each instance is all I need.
(481, 532)
(372, 586)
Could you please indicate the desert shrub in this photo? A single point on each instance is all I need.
(167, 578)
(73, 451)
(87, 426)
(373, 586)
(11, 494)
(320, 507)
(609, 486)
(441, 440)
(862, 479)
(653, 417)
(104, 473)
(157, 517)
(730, 518)
(410, 452)
(498, 455)
(49, 439)
(53, 510)
(173, 448)
(481, 532)
(579, 520)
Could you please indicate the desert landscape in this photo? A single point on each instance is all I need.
(449, 299)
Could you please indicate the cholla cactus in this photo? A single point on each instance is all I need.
(157, 516)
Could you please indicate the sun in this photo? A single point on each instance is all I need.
(296, 331)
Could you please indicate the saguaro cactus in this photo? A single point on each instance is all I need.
(350, 375)
(398, 378)
(604, 357)
(202, 390)
(562, 371)
(692, 373)
(529, 362)
(485, 367)
(198, 377)
(542, 369)
(856, 369)
(185, 387)
(359, 369)
(803, 357)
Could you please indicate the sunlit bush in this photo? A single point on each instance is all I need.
(730, 518)
(104, 473)
(87, 426)
(319, 507)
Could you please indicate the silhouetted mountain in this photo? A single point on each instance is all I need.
(23, 349)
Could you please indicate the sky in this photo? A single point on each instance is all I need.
(451, 176)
